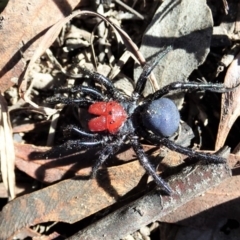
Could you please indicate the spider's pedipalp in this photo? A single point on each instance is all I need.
(70, 146)
(147, 165)
(82, 132)
(79, 144)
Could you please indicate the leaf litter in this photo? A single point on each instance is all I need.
(185, 26)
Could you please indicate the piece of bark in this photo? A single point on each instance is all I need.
(191, 182)
(216, 205)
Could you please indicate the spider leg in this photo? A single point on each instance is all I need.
(147, 69)
(105, 154)
(147, 166)
(211, 158)
(70, 146)
(79, 144)
(81, 102)
(111, 148)
(111, 89)
(94, 93)
(213, 87)
(81, 132)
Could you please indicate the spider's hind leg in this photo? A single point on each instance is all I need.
(212, 87)
(147, 165)
(207, 157)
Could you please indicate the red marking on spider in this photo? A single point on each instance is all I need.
(111, 116)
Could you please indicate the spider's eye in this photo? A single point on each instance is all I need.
(162, 117)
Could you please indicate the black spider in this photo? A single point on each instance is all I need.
(122, 118)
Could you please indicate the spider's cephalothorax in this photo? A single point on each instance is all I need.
(118, 118)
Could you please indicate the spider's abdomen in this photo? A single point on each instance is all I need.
(111, 116)
(162, 117)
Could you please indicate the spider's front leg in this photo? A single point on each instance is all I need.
(80, 102)
(147, 69)
(69, 147)
(143, 158)
(81, 132)
(112, 91)
(90, 91)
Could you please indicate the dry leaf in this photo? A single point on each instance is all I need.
(55, 169)
(51, 170)
(70, 194)
(70, 200)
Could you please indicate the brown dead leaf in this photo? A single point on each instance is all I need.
(30, 126)
(55, 169)
(29, 233)
(70, 200)
(230, 106)
(22, 26)
(175, 24)
(51, 170)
